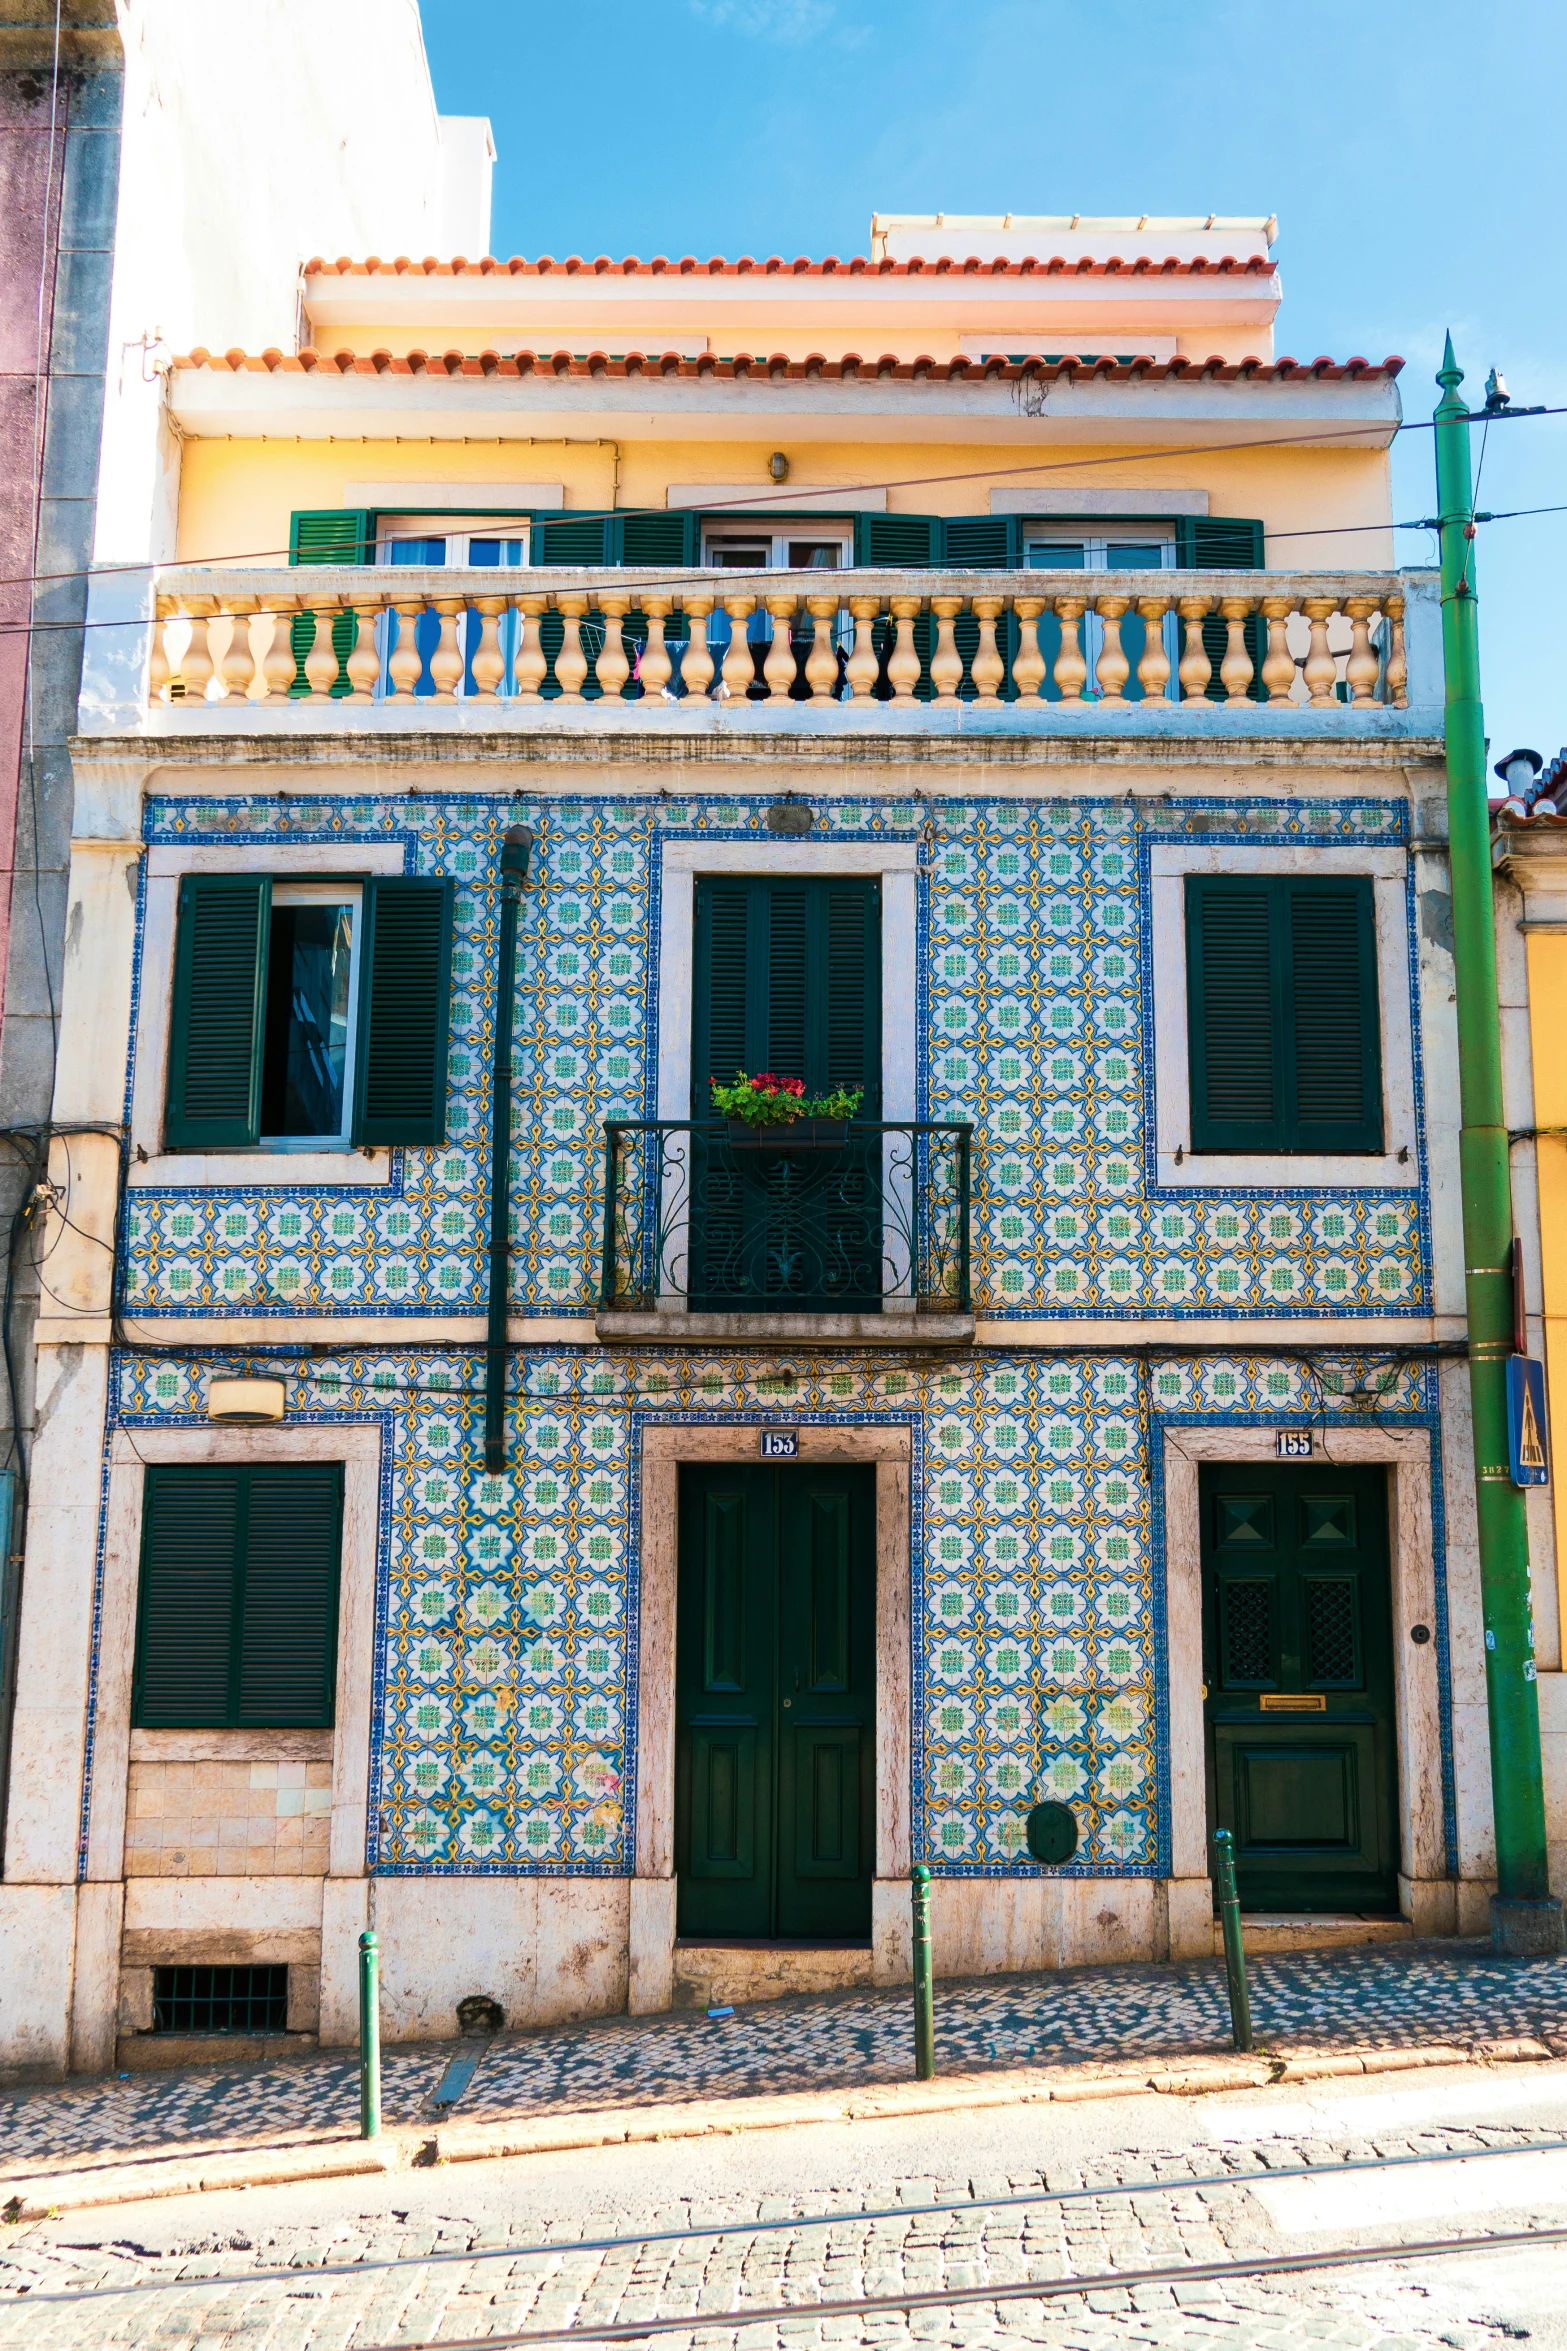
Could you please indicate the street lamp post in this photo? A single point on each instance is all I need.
(1525, 1920)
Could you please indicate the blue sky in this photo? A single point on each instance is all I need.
(1413, 154)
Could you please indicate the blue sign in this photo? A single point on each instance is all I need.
(1526, 1422)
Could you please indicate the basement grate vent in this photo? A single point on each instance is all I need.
(220, 2000)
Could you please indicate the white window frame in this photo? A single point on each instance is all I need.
(1213, 1171)
(841, 533)
(1097, 542)
(458, 531)
(150, 1163)
(292, 893)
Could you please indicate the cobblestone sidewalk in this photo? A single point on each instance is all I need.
(393, 2289)
(1352, 1999)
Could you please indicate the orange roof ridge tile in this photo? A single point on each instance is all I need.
(942, 265)
(923, 368)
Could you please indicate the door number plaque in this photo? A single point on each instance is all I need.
(1293, 1444)
(778, 1444)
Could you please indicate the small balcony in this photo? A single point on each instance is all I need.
(296, 654)
(836, 1232)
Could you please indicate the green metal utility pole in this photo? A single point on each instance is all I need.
(1525, 1921)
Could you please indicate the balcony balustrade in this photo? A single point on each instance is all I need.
(593, 642)
(856, 1225)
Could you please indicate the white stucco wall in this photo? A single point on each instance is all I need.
(257, 135)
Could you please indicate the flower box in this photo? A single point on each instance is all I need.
(794, 1134)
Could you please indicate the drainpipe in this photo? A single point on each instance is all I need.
(1525, 1920)
(516, 848)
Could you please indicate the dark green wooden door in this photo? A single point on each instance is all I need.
(787, 980)
(775, 1703)
(1298, 1667)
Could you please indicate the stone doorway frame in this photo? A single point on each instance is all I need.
(664, 1446)
(1427, 1894)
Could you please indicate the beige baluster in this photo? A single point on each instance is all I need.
(158, 672)
(863, 665)
(904, 668)
(238, 668)
(1278, 662)
(489, 662)
(1363, 668)
(697, 667)
(446, 661)
(1235, 668)
(1028, 663)
(988, 669)
(1397, 658)
(778, 668)
(364, 662)
(321, 660)
(1153, 667)
(1321, 672)
(532, 663)
(946, 663)
(739, 673)
(571, 663)
(821, 663)
(1071, 668)
(613, 664)
(1112, 669)
(406, 662)
(277, 662)
(1196, 670)
(196, 668)
(655, 669)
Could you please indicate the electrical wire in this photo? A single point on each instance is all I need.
(694, 2232)
(761, 503)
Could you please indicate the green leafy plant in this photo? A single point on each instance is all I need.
(769, 1101)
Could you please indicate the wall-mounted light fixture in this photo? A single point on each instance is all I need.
(245, 1404)
(778, 466)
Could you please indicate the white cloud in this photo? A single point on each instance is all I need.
(789, 23)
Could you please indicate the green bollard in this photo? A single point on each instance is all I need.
(1234, 1947)
(924, 2003)
(369, 2035)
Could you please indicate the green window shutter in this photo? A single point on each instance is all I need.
(215, 1029)
(237, 1621)
(405, 969)
(897, 542)
(287, 1649)
(193, 1523)
(571, 538)
(1335, 1033)
(1217, 542)
(674, 538)
(331, 534)
(1283, 1028)
(788, 979)
(981, 542)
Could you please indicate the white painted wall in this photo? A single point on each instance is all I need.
(257, 135)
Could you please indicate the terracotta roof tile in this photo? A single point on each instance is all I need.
(688, 266)
(924, 369)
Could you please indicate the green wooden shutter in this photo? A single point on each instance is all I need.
(1219, 542)
(331, 534)
(216, 1025)
(570, 538)
(1284, 1034)
(237, 1621)
(898, 542)
(1334, 1036)
(673, 538)
(405, 970)
(1232, 988)
(982, 542)
(193, 1522)
(287, 1649)
(788, 978)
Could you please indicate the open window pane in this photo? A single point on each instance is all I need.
(305, 1076)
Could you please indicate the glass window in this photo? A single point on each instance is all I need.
(307, 1050)
(734, 546)
(425, 551)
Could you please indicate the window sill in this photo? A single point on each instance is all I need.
(677, 1326)
(246, 1170)
(1245, 1171)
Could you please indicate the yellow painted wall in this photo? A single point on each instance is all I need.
(1547, 952)
(236, 496)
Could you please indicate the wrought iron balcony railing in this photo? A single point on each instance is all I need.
(862, 1217)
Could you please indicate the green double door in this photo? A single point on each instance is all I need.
(776, 1703)
(1298, 1673)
